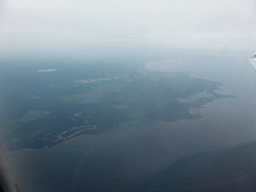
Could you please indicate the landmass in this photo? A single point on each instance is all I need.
(96, 100)
(33, 115)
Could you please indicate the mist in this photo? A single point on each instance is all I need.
(63, 26)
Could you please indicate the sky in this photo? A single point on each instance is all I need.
(187, 24)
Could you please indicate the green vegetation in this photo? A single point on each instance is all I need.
(73, 102)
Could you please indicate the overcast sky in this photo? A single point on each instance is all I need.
(201, 24)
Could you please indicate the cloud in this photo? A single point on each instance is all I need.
(188, 23)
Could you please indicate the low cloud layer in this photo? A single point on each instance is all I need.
(177, 24)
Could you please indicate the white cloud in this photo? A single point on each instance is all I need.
(189, 23)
